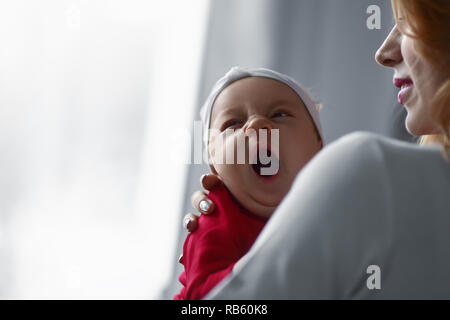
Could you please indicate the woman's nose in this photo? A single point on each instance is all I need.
(389, 54)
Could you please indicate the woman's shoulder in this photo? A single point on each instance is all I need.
(370, 168)
(368, 142)
(368, 149)
(355, 154)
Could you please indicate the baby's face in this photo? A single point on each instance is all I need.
(261, 103)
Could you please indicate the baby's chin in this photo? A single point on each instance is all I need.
(256, 204)
(260, 209)
(251, 193)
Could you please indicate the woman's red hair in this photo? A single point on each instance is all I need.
(428, 23)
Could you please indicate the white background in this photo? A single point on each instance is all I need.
(92, 94)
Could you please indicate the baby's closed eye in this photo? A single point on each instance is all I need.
(280, 114)
(230, 123)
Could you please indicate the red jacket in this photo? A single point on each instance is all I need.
(220, 240)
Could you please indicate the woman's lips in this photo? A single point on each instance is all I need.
(405, 84)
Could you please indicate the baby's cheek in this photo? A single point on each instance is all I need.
(295, 154)
(217, 150)
(229, 174)
(228, 149)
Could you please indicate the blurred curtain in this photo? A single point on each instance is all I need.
(324, 44)
(90, 94)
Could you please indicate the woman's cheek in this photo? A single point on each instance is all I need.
(408, 51)
(412, 61)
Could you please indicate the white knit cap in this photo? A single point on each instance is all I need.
(237, 73)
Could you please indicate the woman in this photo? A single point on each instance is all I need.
(369, 216)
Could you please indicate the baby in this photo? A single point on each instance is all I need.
(272, 119)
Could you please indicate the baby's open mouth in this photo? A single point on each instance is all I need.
(265, 170)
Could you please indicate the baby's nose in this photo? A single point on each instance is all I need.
(258, 123)
(253, 130)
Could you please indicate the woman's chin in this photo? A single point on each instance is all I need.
(419, 127)
(410, 129)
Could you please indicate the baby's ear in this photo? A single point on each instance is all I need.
(319, 140)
